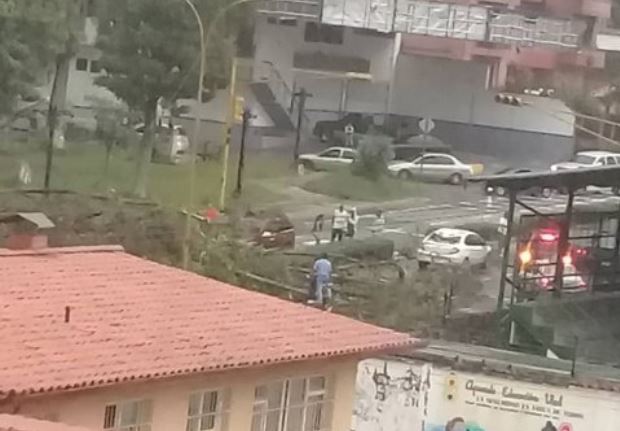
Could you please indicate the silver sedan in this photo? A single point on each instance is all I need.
(435, 167)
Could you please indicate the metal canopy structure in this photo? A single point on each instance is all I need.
(569, 181)
(563, 267)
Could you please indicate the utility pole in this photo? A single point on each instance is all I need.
(229, 122)
(301, 95)
(246, 116)
(58, 99)
(195, 138)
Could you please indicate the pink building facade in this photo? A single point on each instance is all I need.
(516, 49)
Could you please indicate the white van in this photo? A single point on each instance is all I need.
(171, 144)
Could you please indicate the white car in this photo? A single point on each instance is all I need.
(171, 144)
(331, 159)
(454, 247)
(588, 159)
(436, 167)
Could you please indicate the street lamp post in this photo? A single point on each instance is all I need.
(195, 138)
(246, 116)
(204, 44)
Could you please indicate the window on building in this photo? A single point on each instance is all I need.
(208, 411)
(81, 64)
(302, 404)
(325, 33)
(291, 22)
(95, 66)
(128, 416)
(312, 33)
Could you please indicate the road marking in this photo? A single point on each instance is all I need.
(397, 230)
(420, 209)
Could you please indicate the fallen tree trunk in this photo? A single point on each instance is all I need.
(273, 283)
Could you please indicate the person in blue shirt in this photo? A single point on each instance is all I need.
(322, 278)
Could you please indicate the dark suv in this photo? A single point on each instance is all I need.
(414, 146)
(325, 130)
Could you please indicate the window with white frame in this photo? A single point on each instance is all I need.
(208, 411)
(128, 416)
(302, 404)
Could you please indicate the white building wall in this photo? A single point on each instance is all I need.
(278, 43)
(456, 91)
(405, 395)
(82, 90)
(442, 89)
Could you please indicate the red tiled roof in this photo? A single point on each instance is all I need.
(22, 423)
(135, 319)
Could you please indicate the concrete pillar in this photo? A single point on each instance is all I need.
(241, 403)
(344, 396)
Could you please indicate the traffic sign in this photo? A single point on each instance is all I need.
(426, 125)
(565, 427)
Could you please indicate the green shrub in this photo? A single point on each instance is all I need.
(374, 152)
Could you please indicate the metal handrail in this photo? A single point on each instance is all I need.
(283, 94)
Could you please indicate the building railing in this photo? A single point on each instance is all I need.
(309, 9)
(283, 94)
(441, 19)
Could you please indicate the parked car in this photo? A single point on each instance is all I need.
(171, 143)
(415, 146)
(331, 159)
(435, 167)
(589, 159)
(453, 246)
(272, 230)
(324, 130)
(533, 191)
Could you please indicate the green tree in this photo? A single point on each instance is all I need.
(150, 54)
(31, 35)
(374, 152)
(112, 130)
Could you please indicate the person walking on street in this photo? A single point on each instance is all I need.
(352, 223)
(322, 278)
(339, 223)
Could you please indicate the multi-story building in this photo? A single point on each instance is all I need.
(444, 60)
(405, 60)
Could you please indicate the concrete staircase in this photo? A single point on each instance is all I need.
(279, 116)
(277, 100)
(584, 326)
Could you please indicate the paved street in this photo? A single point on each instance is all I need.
(446, 210)
(445, 206)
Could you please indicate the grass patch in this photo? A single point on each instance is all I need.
(346, 186)
(81, 168)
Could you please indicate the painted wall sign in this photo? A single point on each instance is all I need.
(404, 395)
